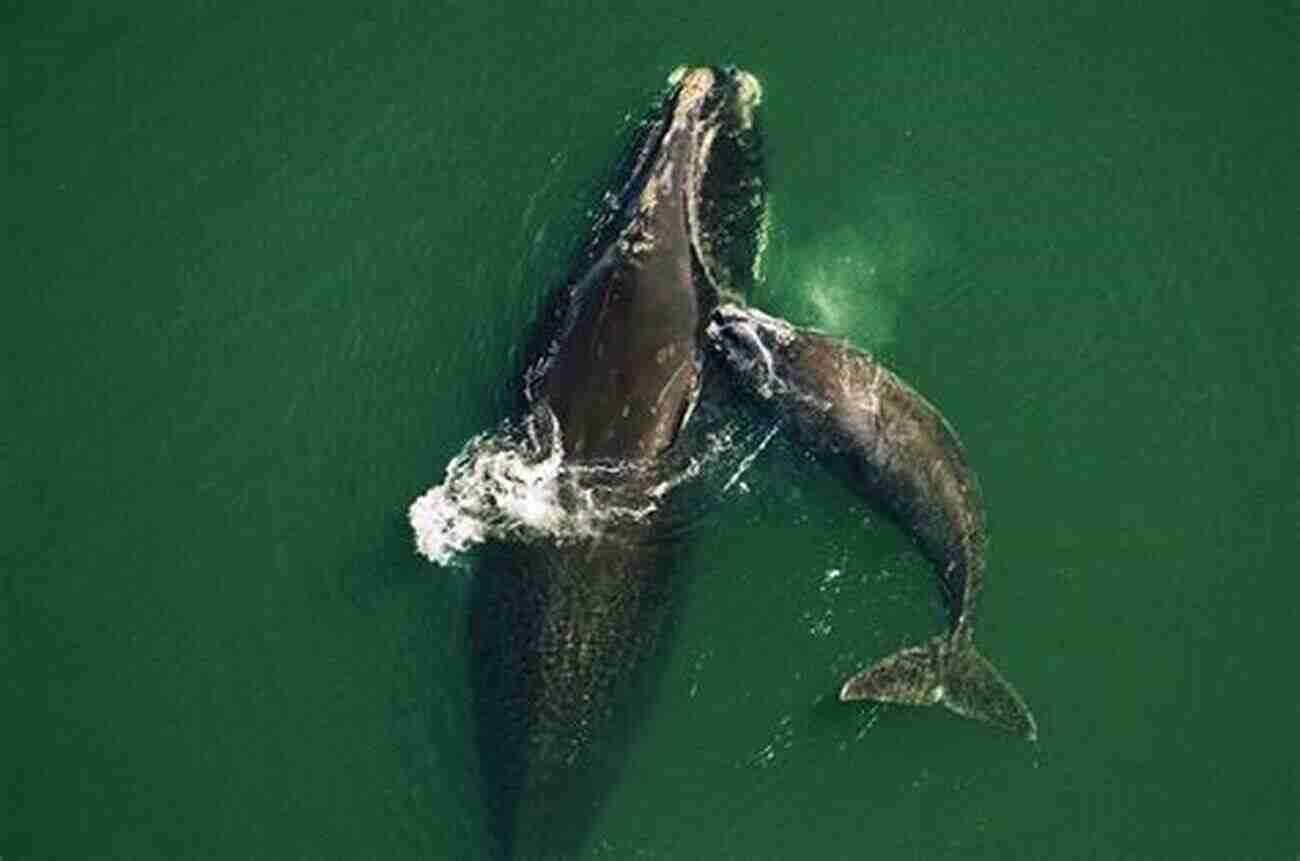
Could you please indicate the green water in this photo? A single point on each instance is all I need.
(263, 273)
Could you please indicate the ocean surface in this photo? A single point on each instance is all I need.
(267, 267)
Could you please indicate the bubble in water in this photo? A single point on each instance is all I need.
(855, 280)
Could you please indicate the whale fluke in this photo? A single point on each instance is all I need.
(940, 672)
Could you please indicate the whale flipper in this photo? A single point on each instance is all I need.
(959, 678)
(897, 451)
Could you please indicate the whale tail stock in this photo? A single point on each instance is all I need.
(946, 670)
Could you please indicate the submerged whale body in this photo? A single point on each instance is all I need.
(561, 628)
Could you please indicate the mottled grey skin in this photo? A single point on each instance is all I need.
(896, 450)
(559, 632)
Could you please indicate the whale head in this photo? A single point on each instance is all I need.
(760, 346)
(727, 202)
(698, 156)
(617, 353)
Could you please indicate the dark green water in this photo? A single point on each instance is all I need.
(263, 272)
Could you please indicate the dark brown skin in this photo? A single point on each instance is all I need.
(623, 376)
(560, 633)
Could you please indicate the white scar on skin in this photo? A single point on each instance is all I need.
(677, 372)
(854, 385)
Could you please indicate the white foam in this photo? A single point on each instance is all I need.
(502, 482)
(513, 484)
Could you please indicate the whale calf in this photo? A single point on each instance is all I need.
(898, 452)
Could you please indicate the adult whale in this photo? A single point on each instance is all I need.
(559, 630)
